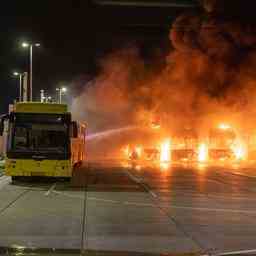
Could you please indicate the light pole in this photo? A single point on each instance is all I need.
(20, 75)
(61, 91)
(42, 97)
(48, 99)
(30, 46)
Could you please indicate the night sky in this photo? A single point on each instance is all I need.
(74, 36)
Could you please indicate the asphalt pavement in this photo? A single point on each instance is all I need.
(111, 208)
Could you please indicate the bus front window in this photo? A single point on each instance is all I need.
(20, 141)
(40, 137)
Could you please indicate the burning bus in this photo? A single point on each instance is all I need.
(226, 144)
(184, 146)
(221, 139)
(223, 144)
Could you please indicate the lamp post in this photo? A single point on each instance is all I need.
(61, 91)
(42, 97)
(48, 99)
(20, 75)
(30, 46)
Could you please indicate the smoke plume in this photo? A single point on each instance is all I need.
(209, 75)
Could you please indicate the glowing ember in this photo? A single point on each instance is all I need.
(202, 153)
(224, 126)
(165, 151)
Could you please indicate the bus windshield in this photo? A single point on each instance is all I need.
(40, 133)
(40, 137)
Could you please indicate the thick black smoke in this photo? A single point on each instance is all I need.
(210, 75)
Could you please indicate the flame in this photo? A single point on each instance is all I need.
(224, 126)
(165, 151)
(126, 151)
(239, 149)
(155, 126)
(203, 153)
(164, 166)
(138, 150)
(138, 167)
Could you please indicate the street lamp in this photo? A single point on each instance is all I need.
(25, 45)
(30, 46)
(61, 91)
(20, 75)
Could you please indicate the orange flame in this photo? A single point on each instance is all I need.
(126, 151)
(203, 153)
(239, 149)
(138, 150)
(165, 151)
(224, 126)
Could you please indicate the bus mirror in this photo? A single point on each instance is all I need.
(74, 129)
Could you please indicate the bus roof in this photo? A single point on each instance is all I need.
(38, 107)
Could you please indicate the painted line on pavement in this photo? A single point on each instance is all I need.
(10, 204)
(212, 209)
(152, 205)
(233, 171)
(50, 189)
(134, 178)
(244, 175)
(140, 181)
(231, 197)
(104, 200)
(81, 197)
(67, 195)
(138, 204)
(215, 181)
(150, 191)
(237, 252)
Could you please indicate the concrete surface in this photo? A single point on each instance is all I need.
(182, 209)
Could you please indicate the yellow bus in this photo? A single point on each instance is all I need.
(42, 140)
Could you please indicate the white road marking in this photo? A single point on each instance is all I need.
(134, 178)
(244, 175)
(237, 252)
(140, 181)
(104, 200)
(152, 193)
(50, 189)
(67, 195)
(152, 205)
(4, 180)
(139, 204)
(215, 181)
(212, 209)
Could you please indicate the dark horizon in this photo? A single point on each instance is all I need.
(74, 37)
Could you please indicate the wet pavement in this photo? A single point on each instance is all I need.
(144, 210)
